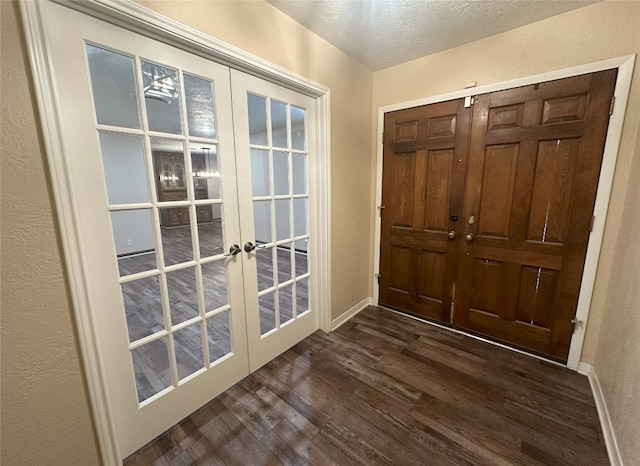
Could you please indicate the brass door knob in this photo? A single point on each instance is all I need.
(470, 237)
(452, 234)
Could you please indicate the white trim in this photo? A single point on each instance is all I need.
(584, 368)
(323, 138)
(338, 321)
(603, 413)
(623, 84)
(141, 20)
(131, 16)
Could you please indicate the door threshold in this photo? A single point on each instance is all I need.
(471, 335)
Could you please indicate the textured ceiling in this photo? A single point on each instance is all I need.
(383, 33)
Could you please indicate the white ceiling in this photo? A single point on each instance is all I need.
(383, 33)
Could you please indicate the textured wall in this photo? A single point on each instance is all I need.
(262, 30)
(617, 359)
(46, 416)
(597, 32)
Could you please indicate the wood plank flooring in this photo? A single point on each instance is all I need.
(384, 389)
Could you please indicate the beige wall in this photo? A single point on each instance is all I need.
(45, 416)
(617, 360)
(45, 413)
(604, 30)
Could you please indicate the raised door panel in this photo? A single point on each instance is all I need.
(534, 161)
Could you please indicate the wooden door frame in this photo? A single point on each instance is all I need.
(129, 15)
(624, 64)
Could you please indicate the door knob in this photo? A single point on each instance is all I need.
(452, 234)
(471, 220)
(469, 237)
(233, 250)
(249, 246)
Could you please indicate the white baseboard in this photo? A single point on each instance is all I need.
(603, 414)
(337, 322)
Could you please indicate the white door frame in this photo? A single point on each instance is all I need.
(129, 15)
(624, 65)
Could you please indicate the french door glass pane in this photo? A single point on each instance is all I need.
(284, 262)
(114, 87)
(188, 346)
(200, 106)
(298, 135)
(176, 240)
(219, 335)
(264, 264)
(214, 278)
(151, 367)
(169, 169)
(134, 240)
(301, 227)
(302, 265)
(267, 309)
(183, 295)
(125, 170)
(302, 295)
(286, 303)
(143, 307)
(283, 230)
(260, 172)
(280, 173)
(205, 171)
(162, 98)
(262, 221)
(299, 174)
(211, 234)
(257, 120)
(279, 124)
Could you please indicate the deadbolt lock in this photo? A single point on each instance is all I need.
(471, 220)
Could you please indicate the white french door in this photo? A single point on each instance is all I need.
(196, 216)
(274, 147)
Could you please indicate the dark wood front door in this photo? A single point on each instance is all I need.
(425, 153)
(532, 159)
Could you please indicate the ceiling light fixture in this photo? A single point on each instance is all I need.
(158, 83)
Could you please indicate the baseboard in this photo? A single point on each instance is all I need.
(337, 322)
(603, 414)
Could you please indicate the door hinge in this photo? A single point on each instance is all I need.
(576, 323)
(380, 208)
(383, 137)
(613, 100)
(377, 275)
(593, 220)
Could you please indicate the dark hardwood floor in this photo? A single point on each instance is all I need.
(384, 389)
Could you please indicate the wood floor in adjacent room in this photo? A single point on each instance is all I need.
(384, 389)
